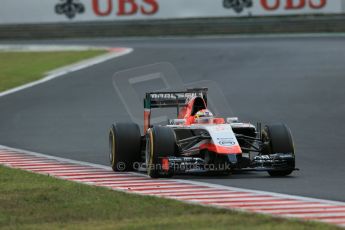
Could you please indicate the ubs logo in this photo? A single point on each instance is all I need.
(70, 8)
(237, 5)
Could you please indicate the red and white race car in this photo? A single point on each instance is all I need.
(198, 142)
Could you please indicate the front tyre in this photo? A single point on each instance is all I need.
(279, 140)
(125, 146)
(160, 143)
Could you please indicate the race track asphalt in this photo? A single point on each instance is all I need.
(296, 80)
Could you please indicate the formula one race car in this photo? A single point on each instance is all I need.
(199, 142)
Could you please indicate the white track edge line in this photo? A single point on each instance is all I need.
(280, 195)
(68, 69)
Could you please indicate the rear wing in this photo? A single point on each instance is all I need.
(176, 99)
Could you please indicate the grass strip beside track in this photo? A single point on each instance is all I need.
(18, 68)
(32, 201)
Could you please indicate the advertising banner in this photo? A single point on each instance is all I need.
(52, 11)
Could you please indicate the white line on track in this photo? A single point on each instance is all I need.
(114, 53)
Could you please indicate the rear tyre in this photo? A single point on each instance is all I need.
(125, 146)
(160, 143)
(279, 140)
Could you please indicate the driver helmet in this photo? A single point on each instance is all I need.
(204, 113)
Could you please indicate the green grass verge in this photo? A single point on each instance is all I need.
(18, 68)
(32, 201)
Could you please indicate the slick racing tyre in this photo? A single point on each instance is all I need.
(160, 143)
(280, 141)
(125, 146)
